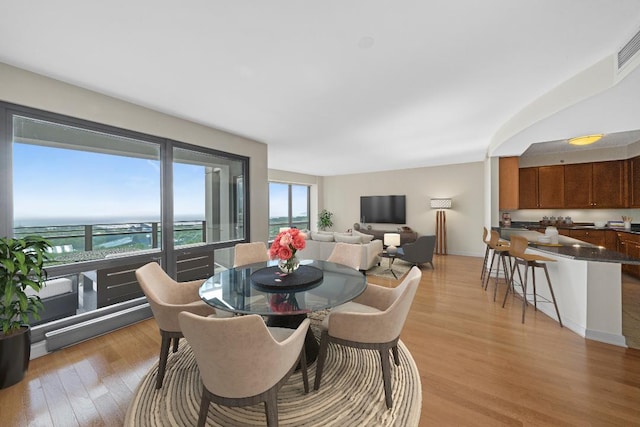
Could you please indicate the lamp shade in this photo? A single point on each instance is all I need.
(440, 203)
(392, 239)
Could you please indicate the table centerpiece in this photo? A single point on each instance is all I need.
(284, 248)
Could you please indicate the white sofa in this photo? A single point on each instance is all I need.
(319, 245)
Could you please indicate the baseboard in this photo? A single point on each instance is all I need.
(606, 337)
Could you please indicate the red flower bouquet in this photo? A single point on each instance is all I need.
(284, 248)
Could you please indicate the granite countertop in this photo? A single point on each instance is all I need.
(570, 247)
(635, 228)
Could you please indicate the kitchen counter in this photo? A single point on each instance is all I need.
(571, 248)
(635, 228)
(587, 284)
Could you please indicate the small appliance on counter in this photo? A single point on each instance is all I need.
(506, 219)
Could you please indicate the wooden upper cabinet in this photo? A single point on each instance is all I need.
(508, 181)
(577, 185)
(596, 185)
(609, 187)
(634, 182)
(541, 187)
(528, 188)
(551, 186)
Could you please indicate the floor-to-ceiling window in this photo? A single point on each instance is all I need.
(288, 207)
(110, 200)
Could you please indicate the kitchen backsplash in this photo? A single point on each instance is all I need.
(577, 215)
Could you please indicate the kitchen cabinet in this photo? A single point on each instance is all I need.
(508, 183)
(595, 185)
(595, 237)
(629, 244)
(541, 187)
(634, 182)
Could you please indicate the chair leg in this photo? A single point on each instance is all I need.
(511, 287)
(484, 263)
(535, 299)
(271, 408)
(204, 408)
(303, 368)
(488, 275)
(176, 340)
(506, 273)
(524, 292)
(164, 354)
(386, 377)
(553, 297)
(396, 358)
(322, 354)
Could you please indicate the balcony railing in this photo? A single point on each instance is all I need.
(72, 243)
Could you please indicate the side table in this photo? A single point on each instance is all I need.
(391, 258)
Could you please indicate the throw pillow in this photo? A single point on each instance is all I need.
(347, 239)
(322, 237)
(364, 238)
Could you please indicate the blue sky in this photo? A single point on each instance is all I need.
(279, 200)
(61, 183)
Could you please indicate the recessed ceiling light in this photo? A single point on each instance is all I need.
(585, 140)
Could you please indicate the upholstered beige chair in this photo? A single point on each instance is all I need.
(348, 254)
(242, 361)
(167, 298)
(249, 253)
(373, 321)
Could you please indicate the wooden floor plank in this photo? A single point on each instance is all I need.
(479, 365)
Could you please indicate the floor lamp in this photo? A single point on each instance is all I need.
(441, 224)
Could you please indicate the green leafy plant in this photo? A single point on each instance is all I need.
(324, 219)
(21, 267)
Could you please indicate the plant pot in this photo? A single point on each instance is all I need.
(15, 351)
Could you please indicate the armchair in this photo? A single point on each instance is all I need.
(419, 252)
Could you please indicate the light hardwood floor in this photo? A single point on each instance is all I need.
(478, 364)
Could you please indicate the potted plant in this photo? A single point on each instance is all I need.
(21, 267)
(324, 219)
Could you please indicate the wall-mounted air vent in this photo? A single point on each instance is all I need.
(629, 50)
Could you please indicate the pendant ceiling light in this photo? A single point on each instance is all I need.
(585, 140)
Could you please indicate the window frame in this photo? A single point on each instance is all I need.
(289, 222)
(166, 254)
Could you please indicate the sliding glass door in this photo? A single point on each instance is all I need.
(111, 200)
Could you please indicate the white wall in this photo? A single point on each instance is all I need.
(33, 90)
(464, 183)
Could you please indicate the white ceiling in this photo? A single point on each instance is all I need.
(333, 87)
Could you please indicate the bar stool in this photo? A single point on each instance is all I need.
(501, 249)
(517, 250)
(485, 233)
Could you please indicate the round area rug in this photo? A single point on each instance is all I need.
(351, 394)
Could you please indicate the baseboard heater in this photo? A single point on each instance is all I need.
(64, 335)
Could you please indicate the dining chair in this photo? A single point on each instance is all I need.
(348, 254)
(243, 362)
(249, 253)
(374, 320)
(167, 298)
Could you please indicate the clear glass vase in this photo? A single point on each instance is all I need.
(289, 265)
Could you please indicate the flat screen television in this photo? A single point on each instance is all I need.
(383, 209)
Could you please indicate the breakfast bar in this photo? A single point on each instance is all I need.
(587, 284)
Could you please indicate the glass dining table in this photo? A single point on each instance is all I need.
(284, 299)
